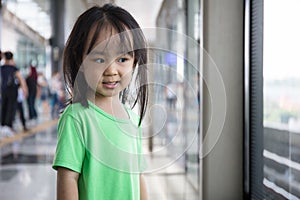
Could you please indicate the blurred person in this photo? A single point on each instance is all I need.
(44, 92)
(171, 95)
(56, 92)
(9, 92)
(31, 82)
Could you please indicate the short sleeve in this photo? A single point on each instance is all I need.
(70, 149)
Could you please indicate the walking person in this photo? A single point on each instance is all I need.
(10, 78)
(31, 82)
(44, 93)
(56, 94)
(99, 149)
(171, 95)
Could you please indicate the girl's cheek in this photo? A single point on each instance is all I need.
(92, 76)
(92, 82)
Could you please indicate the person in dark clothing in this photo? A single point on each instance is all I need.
(31, 82)
(9, 91)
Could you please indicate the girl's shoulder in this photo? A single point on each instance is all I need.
(73, 109)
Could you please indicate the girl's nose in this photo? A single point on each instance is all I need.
(111, 69)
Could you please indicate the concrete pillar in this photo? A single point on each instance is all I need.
(58, 29)
(222, 175)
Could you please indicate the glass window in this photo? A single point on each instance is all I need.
(281, 99)
(272, 99)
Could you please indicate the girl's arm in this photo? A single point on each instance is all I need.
(143, 192)
(67, 184)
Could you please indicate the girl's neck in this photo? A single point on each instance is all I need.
(110, 105)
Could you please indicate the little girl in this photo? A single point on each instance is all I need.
(98, 155)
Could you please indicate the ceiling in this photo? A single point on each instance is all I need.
(38, 17)
(35, 13)
(144, 11)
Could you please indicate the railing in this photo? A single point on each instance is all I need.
(282, 161)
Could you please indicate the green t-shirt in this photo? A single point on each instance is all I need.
(105, 150)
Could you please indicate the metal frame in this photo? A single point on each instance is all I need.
(253, 100)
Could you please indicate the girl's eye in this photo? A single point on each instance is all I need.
(122, 60)
(99, 60)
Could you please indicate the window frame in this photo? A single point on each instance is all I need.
(253, 100)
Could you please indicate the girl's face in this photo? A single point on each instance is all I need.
(107, 68)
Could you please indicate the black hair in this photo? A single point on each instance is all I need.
(8, 55)
(93, 21)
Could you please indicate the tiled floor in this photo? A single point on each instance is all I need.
(26, 173)
(169, 183)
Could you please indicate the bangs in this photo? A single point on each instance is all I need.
(116, 37)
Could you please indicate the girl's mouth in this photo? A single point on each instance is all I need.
(110, 85)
